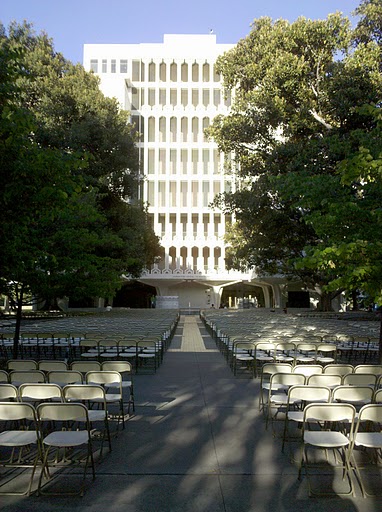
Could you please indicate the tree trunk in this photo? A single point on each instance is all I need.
(19, 311)
(325, 303)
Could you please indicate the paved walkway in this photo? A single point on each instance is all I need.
(197, 443)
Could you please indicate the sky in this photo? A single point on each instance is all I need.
(73, 23)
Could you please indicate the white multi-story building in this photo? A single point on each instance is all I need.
(173, 92)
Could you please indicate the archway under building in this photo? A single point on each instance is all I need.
(135, 295)
(242, 295)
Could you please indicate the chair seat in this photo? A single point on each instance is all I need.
(96, 415)
(125, 384)
(66, 438)
(368, 439)
(297, 416)
(326, 439)
(18, 437)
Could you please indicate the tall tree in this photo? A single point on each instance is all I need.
(297, 88)
(68, 163)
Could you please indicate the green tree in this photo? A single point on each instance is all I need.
(297, 92)
(60, 172)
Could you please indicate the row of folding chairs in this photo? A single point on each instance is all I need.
(111, 374)
(49, 436)
(345, 419)
(145, 354)
(331, 375)
(251, 355)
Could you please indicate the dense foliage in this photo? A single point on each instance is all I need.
(302, 138)
(71, 224)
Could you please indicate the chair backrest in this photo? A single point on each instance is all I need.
(377, 396)
(270, 368)
(62, 378)
(311, 393)
(338, 369)
(16, 411)
(82, 392)
(50, 411)
(333, 412)
(287, 379)
(8, 392)
(360, 379)
(370, 412)
(20, 376)
(40, 391)
(325, 348)
(50, 365)
(369, 368)
(85, 366)
(308, 369)
(103, 377)
(118, 366)
(265, 346)
(21, 364)
(352, 394)
(4, 377)
(323, 379)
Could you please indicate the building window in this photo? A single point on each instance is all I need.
(195, 72)
(94, 65)
(134, 98)
(173, 72)
(206, 72)
(206, 97)
(195, 97)
(162, 71)
(123, 66)
(104, 66)
(113, 66)
(152, 72)
(151, 132)
(173, 97)
(151, 97)
(135, 70)
(184, 97)
(216, 75)
(184, 72)
(162, 97)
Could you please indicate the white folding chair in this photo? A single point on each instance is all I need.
(278, 393)
(113, 379)
(125, 368)
(368, 444)
(335, 424)
(22, 441)
(39, 392)
(71, 417)
(91, 395)
(298, 397)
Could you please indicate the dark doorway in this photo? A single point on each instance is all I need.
(135, 295)
(246, 296)
(87, 302)
(298, 300)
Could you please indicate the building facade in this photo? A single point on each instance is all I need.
(173, 92)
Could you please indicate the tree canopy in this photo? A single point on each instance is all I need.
(297, 123)
(71, 224)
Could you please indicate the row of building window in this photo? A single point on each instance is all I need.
(178, 97)
(162, 72)
(186, 257)
(185, 161)
(197, 223)
(183, 194)
(172, 130)
(107, 67)
(173, 72)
